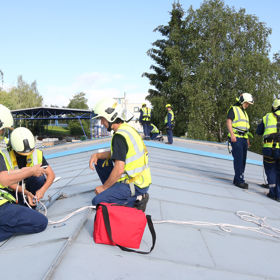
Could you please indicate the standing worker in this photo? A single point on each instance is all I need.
(270, 129)
(169, 123)
(238, 127)
(124, 170)
(16, 218)
(145, 120)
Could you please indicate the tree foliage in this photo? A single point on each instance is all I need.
(206, 59)
(21, 96)
(79, 101)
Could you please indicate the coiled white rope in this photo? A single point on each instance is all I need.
(263, 227)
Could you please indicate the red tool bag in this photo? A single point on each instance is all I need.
(122, 226)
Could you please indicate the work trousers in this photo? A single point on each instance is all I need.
(146, 128)
(17, 219)
(32, 184)
(154, 136)
(118, 193)
(239, 153)
(271, 163)
(169, 133)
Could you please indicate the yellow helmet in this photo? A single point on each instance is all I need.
(168, 105)
(144, 105)
(276, 104)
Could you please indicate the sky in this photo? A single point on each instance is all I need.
(96, 47)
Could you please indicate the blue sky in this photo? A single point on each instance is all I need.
(98, 47)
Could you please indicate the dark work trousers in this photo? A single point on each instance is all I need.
(118, 193)
(154, 136)
(32, 184)
(239, 153)
(169, 133)
(271, 163)
(146, 128)
(17, 219)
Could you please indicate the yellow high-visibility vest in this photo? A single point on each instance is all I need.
(270, 127)
(136, 168)
(146, 114)
(155, 129)
(11, 163)
(172, 117)
(240, 122)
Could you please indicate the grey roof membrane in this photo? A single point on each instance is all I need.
(186, 187)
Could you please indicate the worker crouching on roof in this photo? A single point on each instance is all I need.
(169, 123)
(154, 133)
(238, 127)
(145, 120)
(16, 219)
(124, 170)
(270, 129)
(22, 153)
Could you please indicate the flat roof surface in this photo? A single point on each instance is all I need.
(192, 182)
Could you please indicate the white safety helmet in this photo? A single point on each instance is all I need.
(22, 140)
(276, 104)
(246, 97)
(109, 109)
(6, 118)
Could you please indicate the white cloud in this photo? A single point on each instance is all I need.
(96, 86)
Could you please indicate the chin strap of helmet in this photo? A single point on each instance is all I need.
(109, 127)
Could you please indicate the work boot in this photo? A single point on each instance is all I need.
(241, 185)
(272, 197)
(141, 202)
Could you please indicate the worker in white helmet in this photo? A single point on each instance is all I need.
(16, 219)
(238, 126)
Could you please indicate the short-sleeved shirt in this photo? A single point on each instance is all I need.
(21, 161)
(120, 148)
(230, 114)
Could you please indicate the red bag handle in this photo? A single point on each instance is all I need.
(109, 231)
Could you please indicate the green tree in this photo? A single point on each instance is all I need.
(79, 101)
(25, 95)
(169, 71)
(206, 60)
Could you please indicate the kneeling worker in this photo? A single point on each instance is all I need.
(154, 134)
(16, 219)
(23, 154)
(124, 170)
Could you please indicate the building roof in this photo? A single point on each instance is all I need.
(192, 182)
(41, 113)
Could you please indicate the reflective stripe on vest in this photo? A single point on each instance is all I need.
(2, 195)
(136, 162)
(270, 127)
(240, 122)
(155, 129)
(146, 114)
(172, 117)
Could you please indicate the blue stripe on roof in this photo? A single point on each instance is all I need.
(78, 150)
(154, 145)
